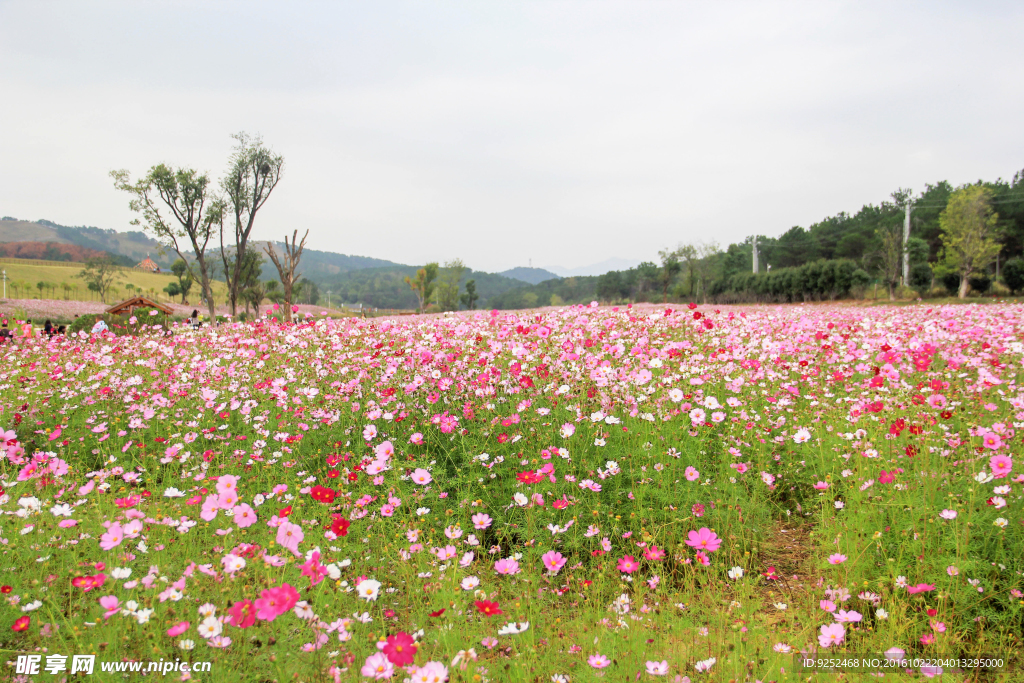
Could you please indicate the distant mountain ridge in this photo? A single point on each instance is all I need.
(601, 268)
(532, 275)
(133, 245)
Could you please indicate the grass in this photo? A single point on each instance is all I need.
(56, 276)
(789, 467)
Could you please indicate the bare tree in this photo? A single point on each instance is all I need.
(252, 176)
(286, 265)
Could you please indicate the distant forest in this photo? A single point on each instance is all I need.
(834, 257)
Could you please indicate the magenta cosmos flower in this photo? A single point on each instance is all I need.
(628, 564)
(704, 539)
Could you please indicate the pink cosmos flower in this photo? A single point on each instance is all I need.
(553, 561)
(112, 538)
(111, 604)
(654, 554)
(1001, 465)
(314, 570)
(244, 515)
(243, 614)
(378, 667)
(289, 536)
(421, 476)
(921, 588)
(481, 521)
(692, 474)
(831, 634)
(704, 539)
(598, 661)
(506, 566)
(836, 558)
(178, 629)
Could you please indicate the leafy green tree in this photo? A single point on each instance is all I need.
(173, 289)
(470, 297)
(921, 277)
(273, 291)
(99, 274)
(253, 173)
(670, 268)
(184, 274)
(423, 284)
(178, 208)
(448, 285)
(890, 256)
(968, 224)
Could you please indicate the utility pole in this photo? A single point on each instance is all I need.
(755, 254)
(906, 244)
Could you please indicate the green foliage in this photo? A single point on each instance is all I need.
(921, 278)
(99, 274)
(448, 285)
(968, 227)
(1013, 274)
(980, 283)
(818, 280)
(422, 285)
(470, 297)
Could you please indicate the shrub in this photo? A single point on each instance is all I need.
(980, 283)
(1013, 274)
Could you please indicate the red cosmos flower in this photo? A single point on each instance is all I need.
(353, 477)
(340, 525)
(946, 414)
(5, 589)
(400, 649)
(487, 608)
(322, 494)
(886, 477)
(333, 474)
(529, 477)
(439, 612)
(932, 612)
(691, 305)
(697, 315)
(921, 588)
(21, 624)
(770, 574)
(284, 512)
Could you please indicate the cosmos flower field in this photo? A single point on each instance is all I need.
(584, 493)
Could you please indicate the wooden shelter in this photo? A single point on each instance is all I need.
(128, 306)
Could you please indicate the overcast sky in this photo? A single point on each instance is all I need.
(562, 132)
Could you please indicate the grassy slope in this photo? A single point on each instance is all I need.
(32, 274)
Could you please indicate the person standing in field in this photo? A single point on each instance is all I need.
(26, 330)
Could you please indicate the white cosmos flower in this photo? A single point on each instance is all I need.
(210, 627)
(368, 589)
(512, 628)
